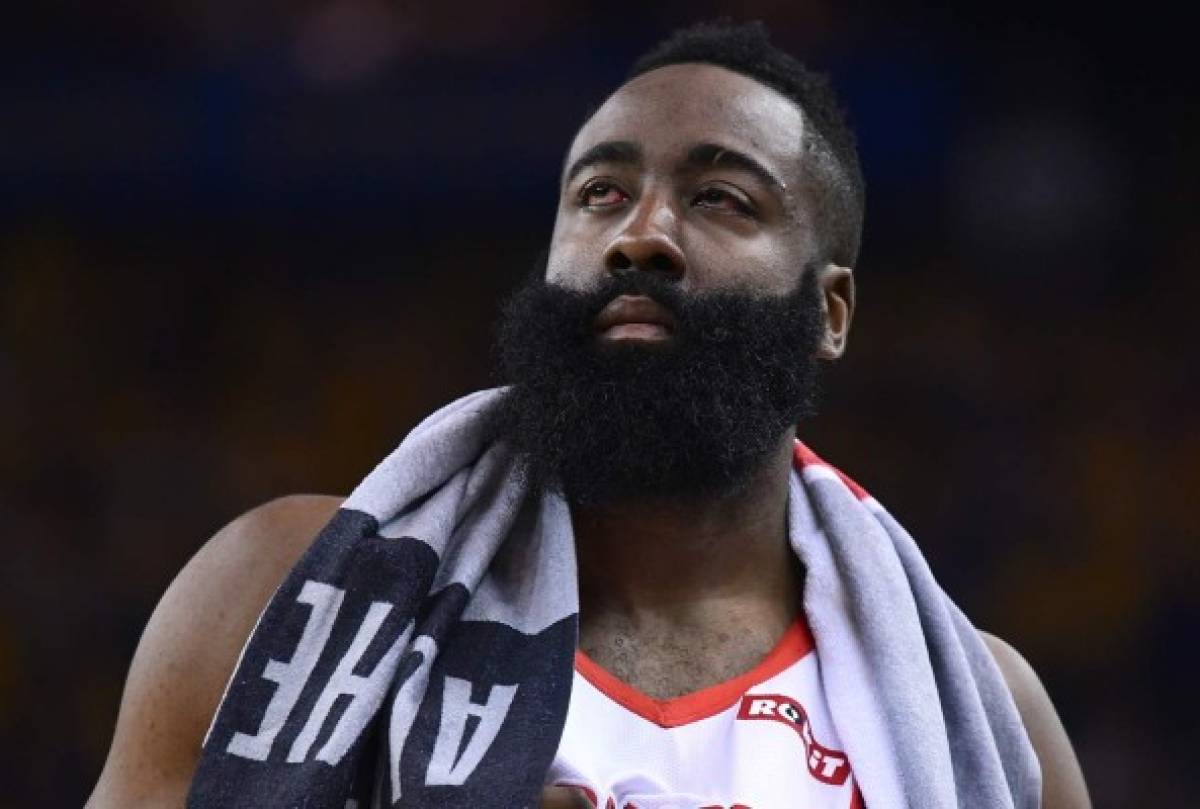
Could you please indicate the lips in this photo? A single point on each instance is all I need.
(634, 316)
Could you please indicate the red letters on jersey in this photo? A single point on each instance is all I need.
(826, 765)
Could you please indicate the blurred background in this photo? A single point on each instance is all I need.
(245, 247)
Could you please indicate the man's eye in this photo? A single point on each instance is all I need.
(722, 200)
(599, 194)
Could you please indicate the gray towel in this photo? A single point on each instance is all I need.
(421, 653)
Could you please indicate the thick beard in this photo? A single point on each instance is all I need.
(693, 417)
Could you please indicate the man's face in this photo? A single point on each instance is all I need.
(671, 342)
(691, 171)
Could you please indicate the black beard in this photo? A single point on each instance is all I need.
(693, 417)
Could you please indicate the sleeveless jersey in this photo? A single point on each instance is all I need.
(764, 740)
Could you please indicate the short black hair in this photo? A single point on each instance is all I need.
(832, 154)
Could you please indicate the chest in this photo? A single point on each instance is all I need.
(764, 739)
(670, 662)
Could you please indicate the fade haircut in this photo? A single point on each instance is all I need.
(831, 156)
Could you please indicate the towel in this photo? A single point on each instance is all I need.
(420, 654)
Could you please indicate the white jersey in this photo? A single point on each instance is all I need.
(763, 740)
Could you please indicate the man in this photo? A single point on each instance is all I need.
(699, 269)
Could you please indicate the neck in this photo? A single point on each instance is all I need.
(687, 562)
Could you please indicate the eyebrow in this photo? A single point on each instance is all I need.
(702, 155)
(713, 154)
(609, 151)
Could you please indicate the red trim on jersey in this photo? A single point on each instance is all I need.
(806, 457)
(671, 713)
(856, 800)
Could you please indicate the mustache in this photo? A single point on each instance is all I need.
(662, 291)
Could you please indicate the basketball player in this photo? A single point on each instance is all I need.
(689, 205)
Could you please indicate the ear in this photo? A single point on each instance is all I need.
(837, 298)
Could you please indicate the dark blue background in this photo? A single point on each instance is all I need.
(244, 248)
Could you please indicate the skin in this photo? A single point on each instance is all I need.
(663, 627)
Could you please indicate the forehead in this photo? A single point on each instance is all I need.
(672, 108)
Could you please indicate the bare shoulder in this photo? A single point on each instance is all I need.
(1063, 786)
(191, 644)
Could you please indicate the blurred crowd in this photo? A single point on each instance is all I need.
(243, 250)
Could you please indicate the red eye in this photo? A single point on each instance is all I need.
(718, 198)
(600, 194)
(721, 200)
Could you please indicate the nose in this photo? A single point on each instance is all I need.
(648, 241)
